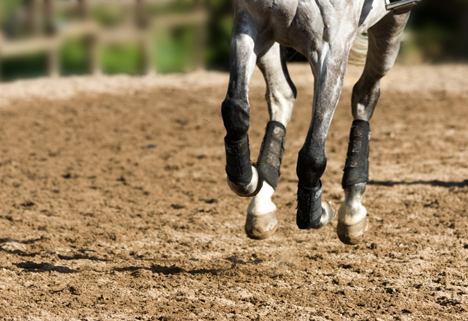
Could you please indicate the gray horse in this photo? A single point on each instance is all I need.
(324, 32)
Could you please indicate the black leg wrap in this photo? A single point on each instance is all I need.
(238, 166)
(357, 163)
(309, 206)
(271, 153)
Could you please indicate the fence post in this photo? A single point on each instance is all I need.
(53, 56)
(90, 40)
(1, 48)
(200, 38)
(32, 18)
(142, 21)
(147, 53)
(83, 8)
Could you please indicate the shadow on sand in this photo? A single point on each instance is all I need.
(170, 270)
(432, 183)
(44, 267)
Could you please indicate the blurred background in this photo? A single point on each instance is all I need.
(74, 37)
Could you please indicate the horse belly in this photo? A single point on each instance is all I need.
(272, 14)
(290, 22)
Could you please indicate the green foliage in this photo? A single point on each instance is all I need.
(172, 53)
(7, 8)
(108, 16)
(26, 66)
(73, 58)
(439, 30)
(218, 49)
(121, 58)
(219, 33)
(157, 9)
(173, 50)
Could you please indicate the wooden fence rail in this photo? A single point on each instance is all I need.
(141, 29)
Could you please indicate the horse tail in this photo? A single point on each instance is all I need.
(358, 53)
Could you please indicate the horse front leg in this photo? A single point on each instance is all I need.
(384, 44)
(329, 72)
(243, 178)
(261, 220)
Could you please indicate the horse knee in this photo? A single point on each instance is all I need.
(236, 117)
(310, 167)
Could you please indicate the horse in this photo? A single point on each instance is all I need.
(324, 32)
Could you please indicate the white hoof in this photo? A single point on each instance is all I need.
(261, 220)
(260, 227)
(352, 223)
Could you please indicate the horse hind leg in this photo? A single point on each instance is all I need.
(384, 43)
(243, 178)
(261, 220)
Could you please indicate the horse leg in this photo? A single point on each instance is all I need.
(384, 44)
(243, 178)
(329, 67)
(261, 214)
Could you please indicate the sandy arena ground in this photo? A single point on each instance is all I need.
(114, 204)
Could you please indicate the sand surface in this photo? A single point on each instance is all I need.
(114, 204)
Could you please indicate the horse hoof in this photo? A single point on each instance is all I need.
(260, 227)
(328, 214)
(352, 234)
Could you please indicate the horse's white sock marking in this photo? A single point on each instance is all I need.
(261, 220)
(351, 214)
(261, 204)
(351, 211)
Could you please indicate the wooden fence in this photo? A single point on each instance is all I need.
(47, 37)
